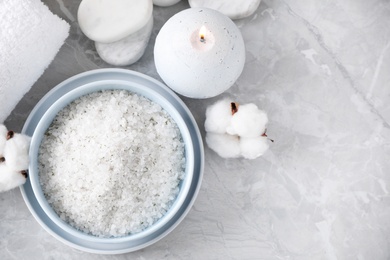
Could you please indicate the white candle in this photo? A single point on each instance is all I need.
(108, 21)
(199, 53)
(165, 3)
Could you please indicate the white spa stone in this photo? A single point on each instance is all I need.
(108, 21)
(164, 3)
(194, 67)
(232, 8)
(128, 50)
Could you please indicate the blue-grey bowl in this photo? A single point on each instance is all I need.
(42, 116)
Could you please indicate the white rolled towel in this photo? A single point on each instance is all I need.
(30, 37)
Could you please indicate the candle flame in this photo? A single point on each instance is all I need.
(202, 33)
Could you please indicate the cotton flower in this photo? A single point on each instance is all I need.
(13, 159)
(249, 121)
(10, 178)
(226, 146)
(236, 131)
(16, 152)
(253, 147)
(218, 116)
(3, 138)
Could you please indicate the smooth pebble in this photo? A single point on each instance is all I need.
(128, 50)
(231, 8)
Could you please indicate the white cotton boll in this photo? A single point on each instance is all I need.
(218, 116)
(16, 152)
(226, 146)
(3, 130)
(9, 178)
(248, 121)
(253, 147)
(3, 138)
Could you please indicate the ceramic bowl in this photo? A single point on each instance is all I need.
(103, 79)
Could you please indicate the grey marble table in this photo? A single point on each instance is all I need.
(321, 69)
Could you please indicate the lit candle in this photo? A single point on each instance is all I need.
(198, 39)
(199, 53)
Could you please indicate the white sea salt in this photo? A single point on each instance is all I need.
(111, 162)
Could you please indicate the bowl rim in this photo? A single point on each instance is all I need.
(164, 228)
(66, 99)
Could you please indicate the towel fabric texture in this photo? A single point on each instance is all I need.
(30, 37)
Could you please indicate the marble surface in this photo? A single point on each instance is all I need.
(321, 71)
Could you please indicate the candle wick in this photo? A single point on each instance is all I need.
(202, 39)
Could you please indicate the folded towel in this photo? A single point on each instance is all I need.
(30, 37)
